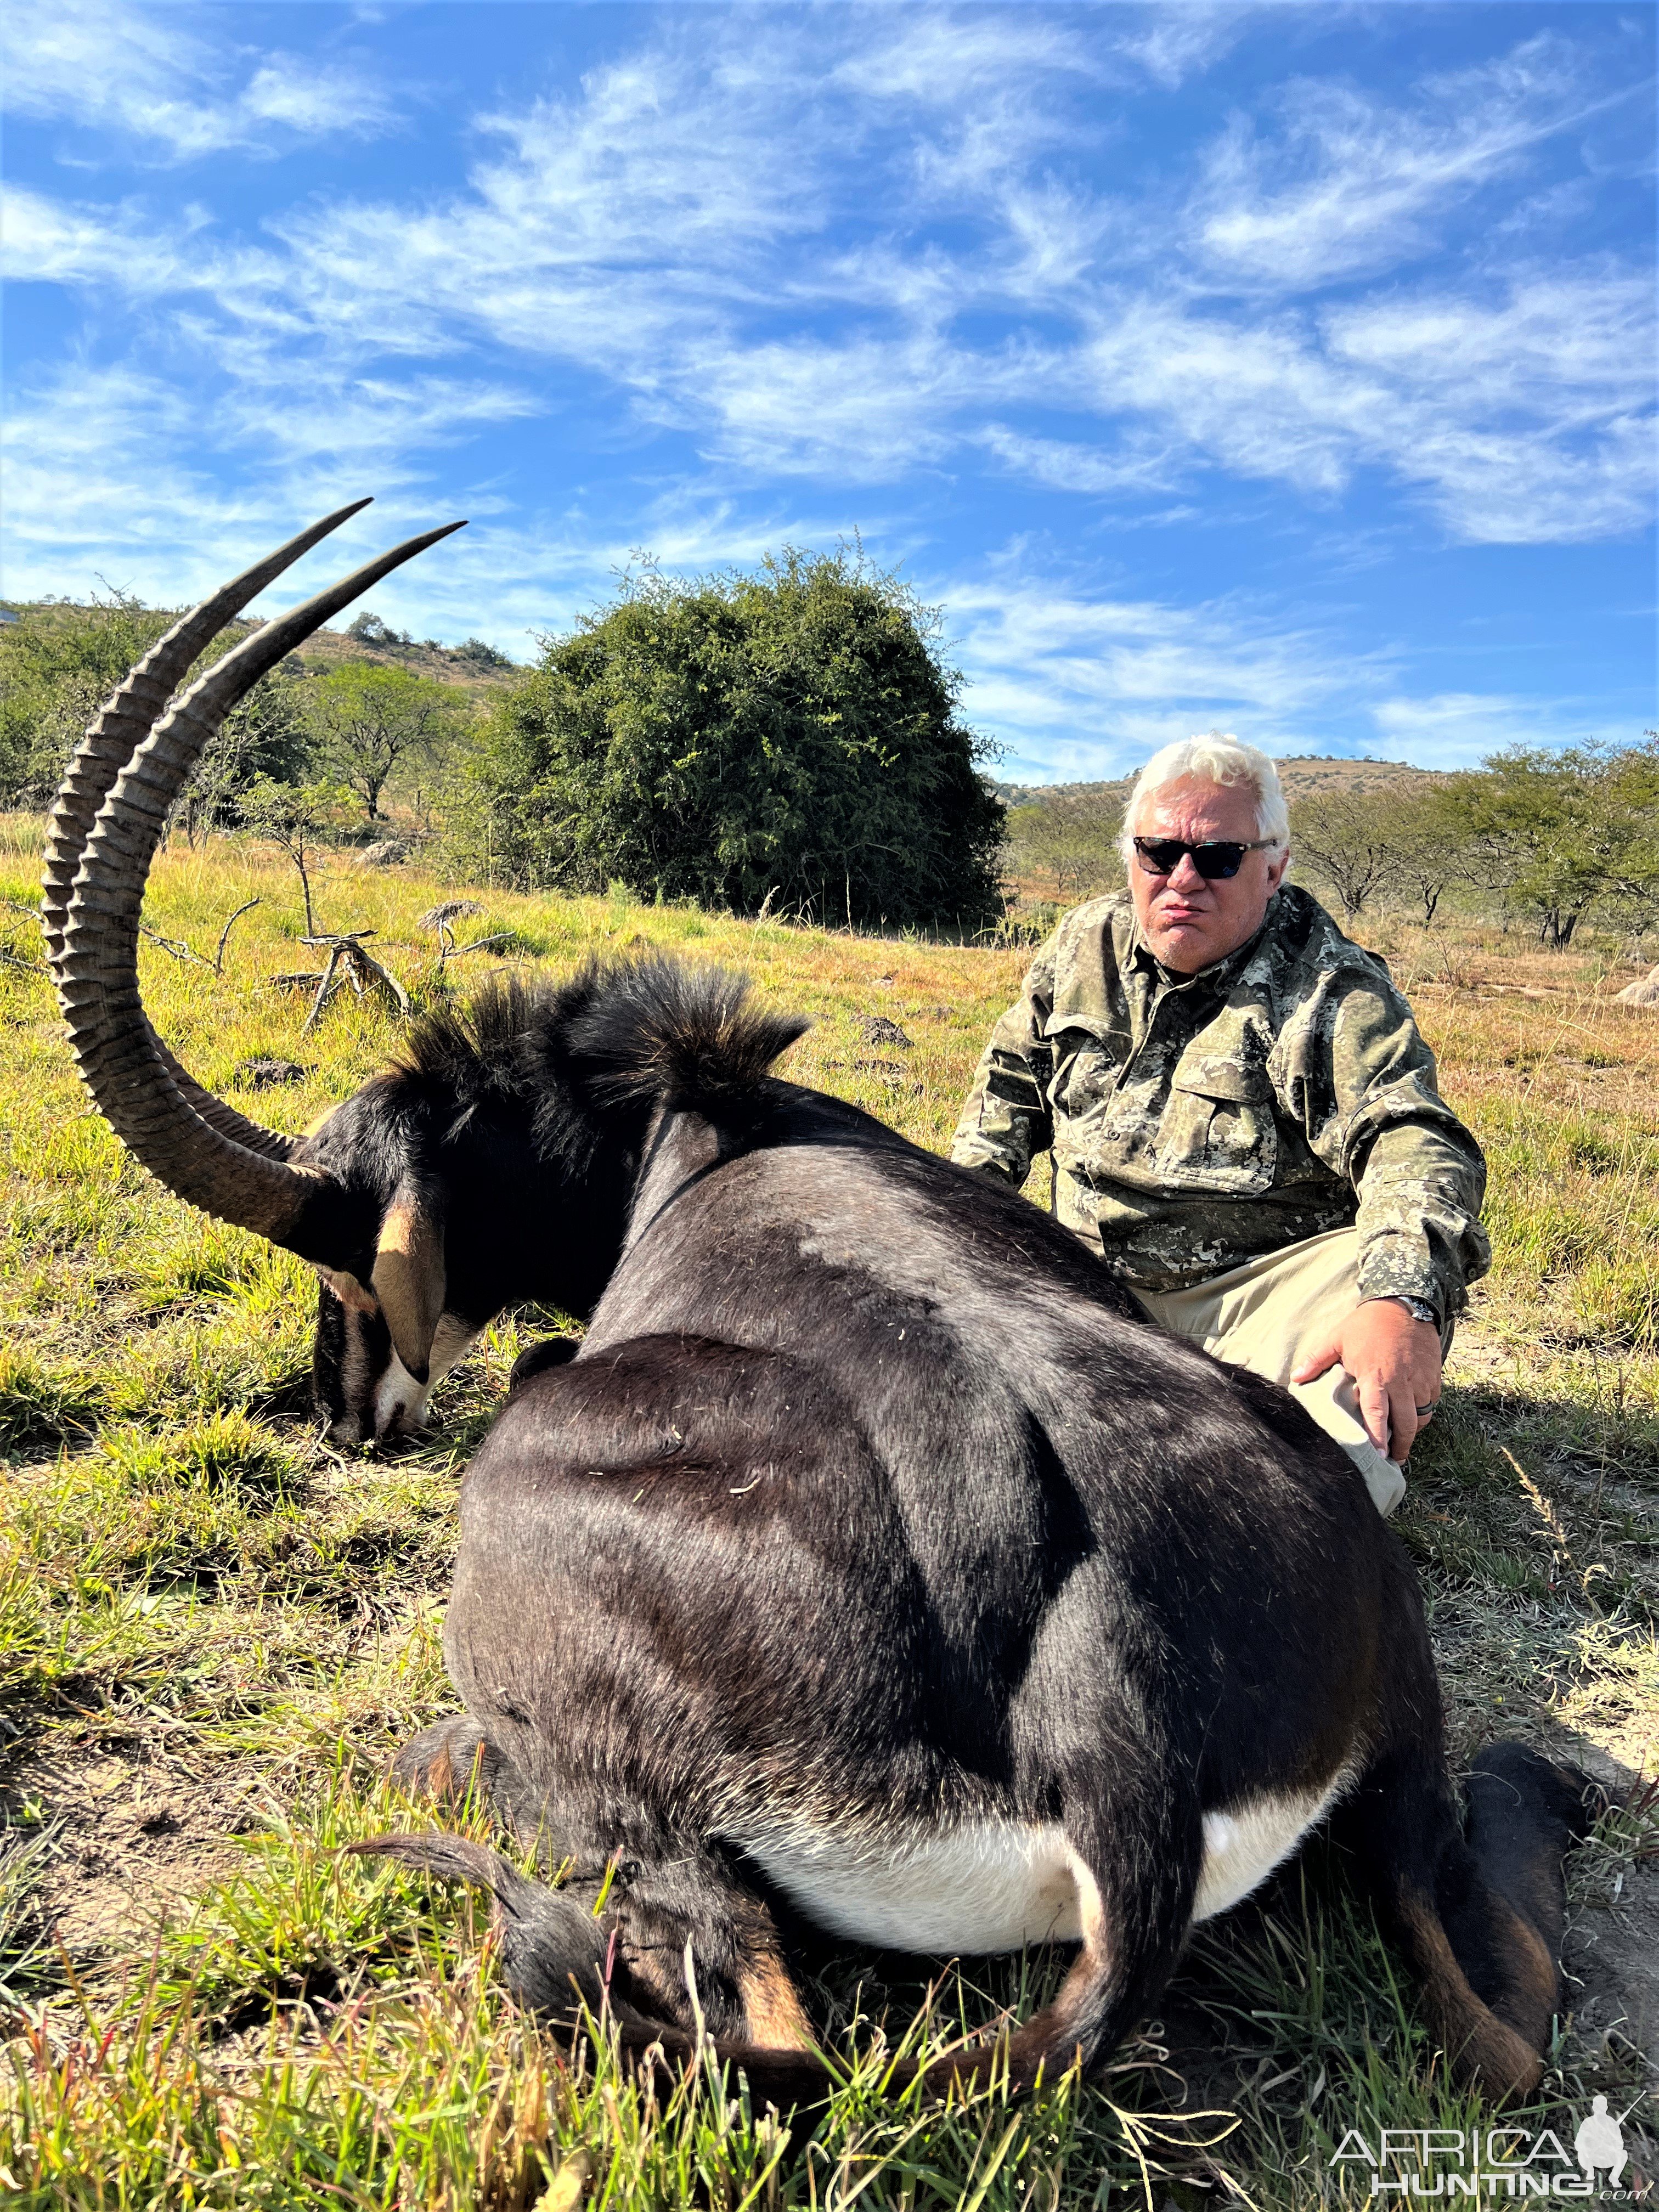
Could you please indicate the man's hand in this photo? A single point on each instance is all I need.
(1394, 1361)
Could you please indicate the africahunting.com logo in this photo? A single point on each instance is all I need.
(1490, 2162)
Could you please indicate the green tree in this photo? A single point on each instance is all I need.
(58, 663)
(1558, 833)
(267, 736)
(1423, 843)
(61, 661)
(481, 655)
(790, 735)
(297, 817)
(1347, 839)
(371, 722)
(1067, 842)
(368, 629)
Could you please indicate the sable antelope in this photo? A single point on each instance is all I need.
(870, 1556)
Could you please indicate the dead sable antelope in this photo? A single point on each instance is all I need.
(869, 1557)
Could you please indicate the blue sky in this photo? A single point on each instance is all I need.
(1285, 369)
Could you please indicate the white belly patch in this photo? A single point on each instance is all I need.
(986, 1886)
(1242, 1846)
(991, 1885)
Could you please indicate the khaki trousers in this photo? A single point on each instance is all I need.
(1259, 1317)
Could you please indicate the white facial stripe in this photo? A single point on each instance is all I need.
(399, 1400)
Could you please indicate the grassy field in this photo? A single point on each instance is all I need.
(214, 1629)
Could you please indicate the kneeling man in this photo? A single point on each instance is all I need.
(1244, 1120)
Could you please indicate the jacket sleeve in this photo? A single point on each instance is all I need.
(1007, 1121)
(1372, 1109)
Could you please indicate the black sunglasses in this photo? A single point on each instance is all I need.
(1160, 856)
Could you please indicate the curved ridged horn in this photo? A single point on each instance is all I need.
(189, 1140)
(121, 725)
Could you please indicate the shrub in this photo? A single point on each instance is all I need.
(791, 735)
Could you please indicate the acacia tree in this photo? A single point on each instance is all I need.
(296, 818)
(370, 721)
(1423, 842)
(1071, 838)
(1557, 833)
(1347, 838)
(790, 735)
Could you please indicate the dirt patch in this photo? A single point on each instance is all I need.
(1611, 1959)
(137, 1833)
(1610, 1953)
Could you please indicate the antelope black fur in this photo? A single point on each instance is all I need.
(868, 1512)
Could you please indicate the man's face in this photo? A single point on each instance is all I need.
(1188, 923)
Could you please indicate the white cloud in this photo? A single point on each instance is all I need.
(148, 74)
(859, 248)
(50, 241)
(1585, 336)
(1174, 40)
(1529, 418)
(1349, 186)
(1080, 683)
(1140, 465)
(1459, 729)
(98, 480)
(1524, 419)
(954, 60)
(289, 89)
(115, 474)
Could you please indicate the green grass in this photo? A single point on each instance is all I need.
(214, 1629)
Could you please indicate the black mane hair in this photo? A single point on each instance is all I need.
(477, 1049)
(621, 1032)
(656, 1030)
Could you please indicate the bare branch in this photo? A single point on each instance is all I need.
(175, 945)
(224, 934)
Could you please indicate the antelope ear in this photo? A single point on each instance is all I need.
(348, 1290)
(409, 1278)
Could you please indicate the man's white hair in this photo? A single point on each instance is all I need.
(1214, 759)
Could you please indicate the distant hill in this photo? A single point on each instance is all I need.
(473, 668)
(326, 649)
(1302, 775)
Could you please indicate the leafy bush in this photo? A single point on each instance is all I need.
(369, 630)
(60, 662)
(475, 650)
(791, 735)
(58, 665)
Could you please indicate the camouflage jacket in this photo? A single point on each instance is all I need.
(1198, 1122)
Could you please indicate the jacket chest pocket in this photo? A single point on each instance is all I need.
(1086, 1070)
(1218, 1132)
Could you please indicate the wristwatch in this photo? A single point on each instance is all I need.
(1419, 1308)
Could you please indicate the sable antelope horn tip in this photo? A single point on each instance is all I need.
(123, 720)
(111, 813)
